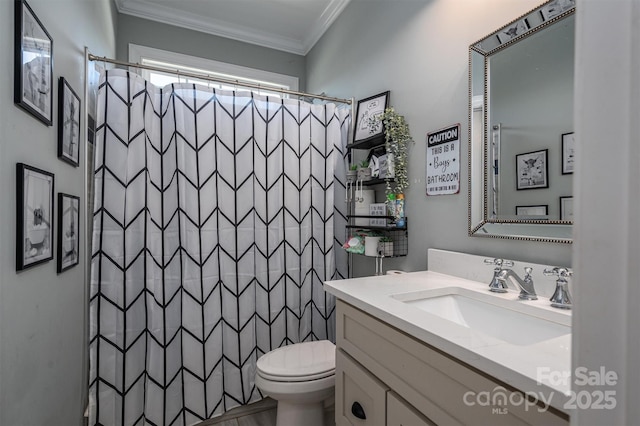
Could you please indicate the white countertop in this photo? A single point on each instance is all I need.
(516, 365)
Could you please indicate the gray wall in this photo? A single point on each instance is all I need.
(176, 39)
(42, 314)
(418, 49)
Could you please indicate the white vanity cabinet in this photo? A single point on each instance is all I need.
(362, 397)
(395, 379)
(400, 413)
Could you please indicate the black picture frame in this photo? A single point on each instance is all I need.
(68, 123)
(68, 231)
(363, 131)
(34, 216)
(533, 210)
(532, 170)
(33, 64)
(566, 208)
(568, 153)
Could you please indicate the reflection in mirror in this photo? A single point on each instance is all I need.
(521, 127)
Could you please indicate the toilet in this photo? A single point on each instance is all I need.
(300, 377)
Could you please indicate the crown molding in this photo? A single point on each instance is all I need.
(146, 9)
(329, 15)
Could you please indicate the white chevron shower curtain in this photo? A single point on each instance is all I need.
(217, 216)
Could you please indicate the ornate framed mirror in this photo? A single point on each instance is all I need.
(521, 127)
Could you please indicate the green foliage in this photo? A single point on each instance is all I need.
(397, 140)
(353, 167)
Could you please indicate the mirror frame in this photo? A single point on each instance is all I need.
(524, 230)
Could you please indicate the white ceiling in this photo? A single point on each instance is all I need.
(289, 25)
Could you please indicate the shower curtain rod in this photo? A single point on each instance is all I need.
(217, 79)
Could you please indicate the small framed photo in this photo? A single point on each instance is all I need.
(539, 210)
(566, 208)
(68, 231)
(512, 31)
(532, 170)
(366, 110)
(68, 123)
(568, 157)
(33, 64)
(34, 213)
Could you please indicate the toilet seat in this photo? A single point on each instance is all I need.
(296, 378)
(300, 362)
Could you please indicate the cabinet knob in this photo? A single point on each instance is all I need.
(358, 411)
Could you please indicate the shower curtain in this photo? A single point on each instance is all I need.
(217, 217)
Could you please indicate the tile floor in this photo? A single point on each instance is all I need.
(262, 413)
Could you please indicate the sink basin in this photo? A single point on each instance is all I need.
(511, 321)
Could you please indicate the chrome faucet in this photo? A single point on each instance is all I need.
(527, 291)
(498, 286)
(561, 297)
(501, 275)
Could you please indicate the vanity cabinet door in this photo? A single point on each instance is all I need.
(433, 382)
(360, 397)
(399, 413)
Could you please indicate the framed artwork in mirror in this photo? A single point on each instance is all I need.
(68, 123)
(555, 8)
(33, 64)
(34, 216)
(68, 231)
(532, 170)
(566, 208)
(512, 31)
(568, 159)
(367, 109)
(539, 210)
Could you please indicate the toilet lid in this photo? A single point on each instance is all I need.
(300, 361)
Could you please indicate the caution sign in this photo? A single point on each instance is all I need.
(443, 161)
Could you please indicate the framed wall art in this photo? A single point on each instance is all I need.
(532, 170)
(539, 210)
(568, 158)
(367, 109)
(68, 231)
(34, 216)
(566, 208)
(33, 64)
(68, 123)
(512, 31)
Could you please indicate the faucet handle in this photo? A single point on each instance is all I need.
(497, 285)
(498, 262)
(565, 272)
(561, 297)
(558, 272)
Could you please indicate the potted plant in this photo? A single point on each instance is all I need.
(385, 246)
(397, 140)
(364, 171)
(352, 173)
